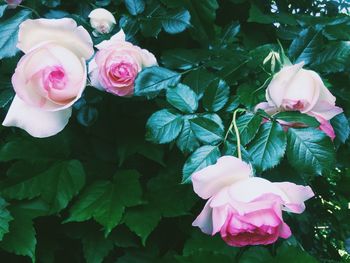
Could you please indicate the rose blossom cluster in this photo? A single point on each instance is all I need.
(52, 74)
(245, 210)
(298, 89)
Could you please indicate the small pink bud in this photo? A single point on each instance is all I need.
(13, 3)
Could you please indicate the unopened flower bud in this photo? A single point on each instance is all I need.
(13, 3)
(102, 20)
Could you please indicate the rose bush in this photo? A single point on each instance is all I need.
(174, 131)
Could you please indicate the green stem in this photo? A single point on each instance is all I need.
(31, 9)
(237, 132)
(234, 126)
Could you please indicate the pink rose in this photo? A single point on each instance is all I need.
(298, 89)
(245, 210)
(13, 3)
(116, 65)
(50, 77)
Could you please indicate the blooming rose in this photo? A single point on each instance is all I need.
(13, 3)
(298, 89)
(245, 210)
(102, 20)
(117, 63)
(51, 75)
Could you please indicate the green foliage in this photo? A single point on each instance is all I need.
(268, 147)
(310, 150)
(106, 201)
(164, 126)
(115, 185)
(9, 33)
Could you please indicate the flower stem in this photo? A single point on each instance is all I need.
(237, 132)
(234, 126)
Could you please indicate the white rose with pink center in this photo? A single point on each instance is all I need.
(298, 89)
(50, 77)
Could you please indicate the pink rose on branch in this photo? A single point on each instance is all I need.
(298, 89)
(50, 77)
(117, 64)
(245, 210)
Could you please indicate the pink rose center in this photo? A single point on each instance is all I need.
(122, 71)
(250, 230)
(54, 77)
(294, 105)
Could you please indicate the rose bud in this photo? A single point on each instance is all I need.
(13, 3)
(102, 20)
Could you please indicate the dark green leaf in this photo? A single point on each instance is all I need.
(135, 7)
(96, 247)
(2, 10)
(306, 46)
(176, 21)
(181, 58)
(203, 14)
(207, 130)
(187, 141)
(56, 186)
(87, 115)
(106, 201)
(201, 158)
(268, 146)
(297, 117)
(154, 79)
(198, 80)
(51, 3)
(310, 150)
(5, 97)
(9, 33)
(341, 127)
(248, 125)
(163, 126)
(21, 237)
(216, 95)
(182, 98)
(335, 58)
(5, 218)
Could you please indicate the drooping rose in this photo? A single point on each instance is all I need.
(50, 77)
(298, 89)
(102, 20)
(117, 64)
(13, 3)
(245, 210)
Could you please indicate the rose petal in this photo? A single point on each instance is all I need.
(296, 196)
(115, 40)
(225, 172)
(36, 122)
(204, 220)
(63, 32)
(252, 188)
(279, 85)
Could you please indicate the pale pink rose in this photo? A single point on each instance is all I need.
(13, 3)
(50, 77)
(298, 89)
(245, 210)
(117, 64)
